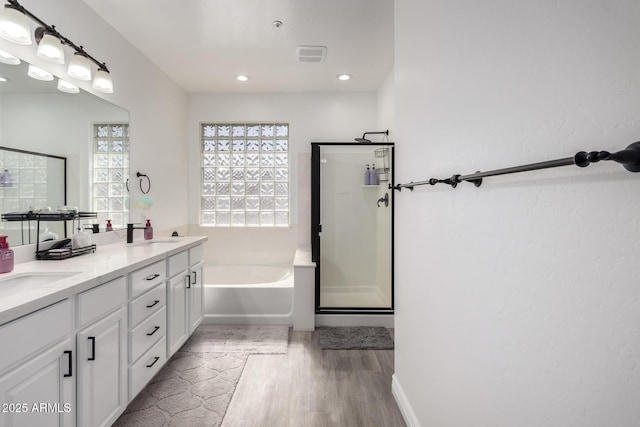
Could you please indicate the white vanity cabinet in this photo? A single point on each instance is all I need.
(102, 354)
(37, 376)
(177, 300)
(185, 296)
(147, 324)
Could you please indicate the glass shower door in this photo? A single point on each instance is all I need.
(353, 241)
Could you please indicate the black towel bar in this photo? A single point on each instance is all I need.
(629, 158)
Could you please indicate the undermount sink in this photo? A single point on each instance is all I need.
(23, 282)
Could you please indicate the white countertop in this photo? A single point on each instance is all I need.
(107, 263)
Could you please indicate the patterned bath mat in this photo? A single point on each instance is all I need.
(254, 339)
(355, 338)
(195, 387)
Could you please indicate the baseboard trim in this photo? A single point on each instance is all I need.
(404, 405)
(247, 319)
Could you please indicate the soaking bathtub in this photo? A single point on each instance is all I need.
(248, 294)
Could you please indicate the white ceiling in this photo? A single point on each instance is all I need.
(203, 44)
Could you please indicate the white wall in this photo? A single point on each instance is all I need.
(517, 302)
(157, 106)
(311, 117)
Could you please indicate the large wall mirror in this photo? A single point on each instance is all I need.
(89, 133)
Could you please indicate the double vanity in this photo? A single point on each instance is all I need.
(82, 337)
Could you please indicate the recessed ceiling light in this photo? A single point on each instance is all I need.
(344, 77)
(277, 23)
(242, 78)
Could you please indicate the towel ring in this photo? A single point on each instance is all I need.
(141, 175)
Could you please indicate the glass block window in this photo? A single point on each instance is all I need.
(245, 174)
(110, 173)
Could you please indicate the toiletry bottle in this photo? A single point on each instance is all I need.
(109, 226)
(367, 176)
(148, 231)
(6, 256)
(373, 180)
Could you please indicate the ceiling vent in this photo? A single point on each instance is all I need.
(311, 53)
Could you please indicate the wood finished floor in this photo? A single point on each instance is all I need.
(311, 387)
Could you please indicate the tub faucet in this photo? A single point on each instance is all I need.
(130, 229)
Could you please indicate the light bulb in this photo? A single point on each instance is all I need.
(14, 26)
(39, 73)
(102, 81)
(50, 48)
(7, 58)
(79, 67)
(65, 86)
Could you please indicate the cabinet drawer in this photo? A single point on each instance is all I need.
(147, 304)
(96, 302)
(33, 332)
(146, 278)
(196, 254)
(144, 369)
(178, 263)
(147, 333)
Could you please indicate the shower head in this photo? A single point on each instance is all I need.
(364, 140)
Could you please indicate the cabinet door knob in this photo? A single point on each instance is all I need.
(93, 348)
(187, 279)
(195, 277)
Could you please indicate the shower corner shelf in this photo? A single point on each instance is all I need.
(370, 186)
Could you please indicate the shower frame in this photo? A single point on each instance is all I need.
(316, 227)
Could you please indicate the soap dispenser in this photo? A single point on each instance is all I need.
(6, 256)
(367, 176)
(148, 231)
(109, 226)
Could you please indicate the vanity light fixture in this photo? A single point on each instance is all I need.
(49, 46)
(15, 27)
(39, 74)
(242, 78)
(344, 77)
(102, 81)
(80, 66)
(7, 58)
(65, 86)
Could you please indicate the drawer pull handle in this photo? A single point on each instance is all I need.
(152, 276)
(154, 303)
(93, 348)
(155, 359)
(70, 353)
(187, 279)
(154, 331)
(195, 277)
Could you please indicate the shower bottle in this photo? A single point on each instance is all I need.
(367, 176)
(373, 179)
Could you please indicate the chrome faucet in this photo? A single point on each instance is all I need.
(130, 229)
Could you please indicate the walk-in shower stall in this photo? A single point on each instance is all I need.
(352, 227)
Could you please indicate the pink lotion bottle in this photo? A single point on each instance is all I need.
(148, 231)
(6, 256)
(109, 226)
